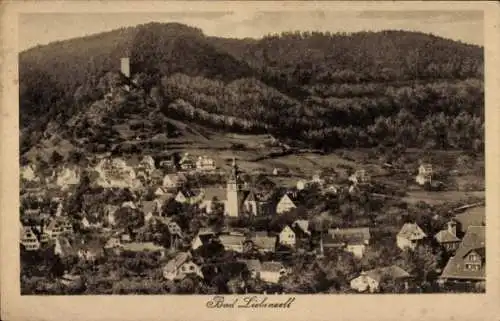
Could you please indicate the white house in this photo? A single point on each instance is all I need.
(272, 271)
(424, 174)
(115, 173)
(409, 236)
(287, 237)
(360, 177)
(370, 281)
(181, 266)
(204, 163)
(353, 240)
(28, 239)
(68, 176)
(171, 181)
(28, 173)
(285, 204)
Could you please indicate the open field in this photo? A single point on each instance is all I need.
(440, 197)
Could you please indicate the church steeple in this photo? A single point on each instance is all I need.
(234, 172)
(232, 190)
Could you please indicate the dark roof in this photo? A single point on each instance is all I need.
(474, 239)
(265, 242)
(271, 266)
(215, 192)
(472, 217)
(187, 192)
(445, 236)
(351, 235)
(394, 272)
(252, 265)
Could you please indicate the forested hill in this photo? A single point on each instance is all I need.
(359, 89)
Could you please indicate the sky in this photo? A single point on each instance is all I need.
(43, 28)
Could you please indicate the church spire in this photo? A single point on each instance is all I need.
(234, 171)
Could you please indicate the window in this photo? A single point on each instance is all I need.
(472, 266)
(473, 257)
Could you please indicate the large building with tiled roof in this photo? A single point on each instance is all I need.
(469, 261)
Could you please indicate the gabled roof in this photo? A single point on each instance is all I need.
(358, 235)
(187, 192)
(148, 206)
(214, 192)
(474, 239)
(303, 225)
(472, 217)
(411, 231)
(445, 236)
(272, 266)
(231, 240)
(265, 242)
(177, 261)
(252, 265)
(394, 272)
(142, 247)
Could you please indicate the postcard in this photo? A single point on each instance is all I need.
(249, 160)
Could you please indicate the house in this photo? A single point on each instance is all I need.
(149, 209)
(112, 242)
(301, 227)
(89, 251)
(302, 184)
(109, 212)
(58, 226)
(409, 236)
(232, 242)
(280, 171)
(360, 177)
(70, 279)
(181, 266)
(116, 173)
(160, 191)
(28, 173)
(203, 237)
(68, 176)
(172, 181)
(147, 165)
(91, 221)
(371, 280)
(168, 164)
(204, 163)
(186, 196)
(287, 237)
(424, 175)
(272, 271)
(129, 204)
(469, 262)
(447, 238)
(63, 247)
(28, 239)
(253, 267)
(286, 203)
(211, 197)
(140, 247)
(354, 240)
(474, 216)
(264, 243)
(187, 163)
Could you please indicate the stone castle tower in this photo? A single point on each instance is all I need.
(125, 66)
(233, 192)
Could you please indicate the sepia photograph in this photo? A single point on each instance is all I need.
(218, 156)
(168, 157)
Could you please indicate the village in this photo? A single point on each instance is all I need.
(194, 226)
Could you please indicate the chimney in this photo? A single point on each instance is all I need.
(125, 66)
(452, 227)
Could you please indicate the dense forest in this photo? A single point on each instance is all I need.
(321, 89)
